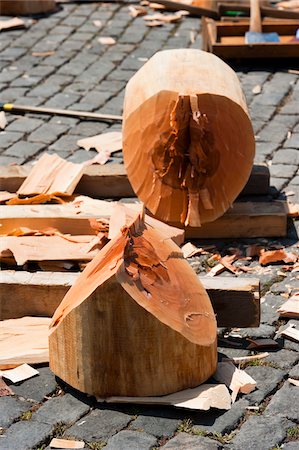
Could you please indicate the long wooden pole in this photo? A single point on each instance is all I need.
(10, 107)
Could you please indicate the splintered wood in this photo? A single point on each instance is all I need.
(181, 136)
(290, 308)
(24, 340)
(237, 380)
(137, 274)
(51, 175)
(20, 373)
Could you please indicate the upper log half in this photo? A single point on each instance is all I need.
(136, 322)
(188, 141)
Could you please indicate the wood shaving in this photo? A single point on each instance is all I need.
(3, 120)
(272, 256)
(106, 40)
(9, 24)
(19, 373)
(137, 10)
(257, 89)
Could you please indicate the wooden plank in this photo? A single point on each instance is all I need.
(245, 219)
(111, 181)
(236, 301)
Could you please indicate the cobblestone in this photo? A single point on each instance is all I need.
(184, 441)
(285, 402)
(132, 440)
(10, 409)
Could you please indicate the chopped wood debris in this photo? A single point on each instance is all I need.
(224, 263)
(52, 175)
(105, 144)
(4, 389)
(159, 18)
(117, 221)
(6, 196)
(245, 359)
(190, 250)
(9, 24)
(66, 443)
(257, 89)
(19, 373)
(49, 53)
(256, 344)
(106, 40)
(97, 23)
(292, 209)
(46, 248)
(237, 380)
(290, 308)
(3, 120)
(291, 333)
(202, 397)
(272, 256)
(23, 341)
(293, 381)
(137, 10)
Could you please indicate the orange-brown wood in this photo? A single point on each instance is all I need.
(26, 7)
(136, 322)
(188, 141)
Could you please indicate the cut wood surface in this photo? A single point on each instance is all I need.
(188, 142)
(236, 301)
(237, 380)
(19, 373)
(202, 397)
(137, 312)
(46, 248)
(24, 340)
(111, 180)
(290, 308)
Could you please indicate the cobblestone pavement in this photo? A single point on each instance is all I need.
(82, 74)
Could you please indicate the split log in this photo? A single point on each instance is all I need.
(188, 141)
(26, 7)
(137, 322)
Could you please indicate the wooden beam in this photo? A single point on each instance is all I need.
(111, 181)
(236, 301)
(245, 219)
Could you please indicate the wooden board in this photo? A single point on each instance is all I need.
(111, 181)
(245, 219)
(227, 39)
(236, 301)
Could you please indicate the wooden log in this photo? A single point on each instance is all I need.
(137, 312)
(245, 219)
(26, 7)
(188, 142)
(236, 301)
(111, 180)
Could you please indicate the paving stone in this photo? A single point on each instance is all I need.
(266, 148)
(221, 421)
(185, 441)
(6, 160)
(285, 156)
(8, 138)
(11, 409)
(260, 432)
(24, 149)
(283, 359)
(86, 128)
(62, 100)
(285, 403)
(24, 124)
(99, 425)
(283, 171)
(48, 133)
(291, 446)
(293, 142)
(64, 409)
(273, 132)
(267, 379)
(80, 156)
(263, 331)
(45, 90)
(294, 372)
(66, 143)
(278, 183)
(132, 440)
(38, 387)
(25, 435)
(156, 426)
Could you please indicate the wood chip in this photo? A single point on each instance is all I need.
(24, 340)
(3, 120)
(257, 89)
(137, 10)
(164, 18)
(4, 389)
(290, 308)
(272, 256)
(291, 333)
(190, 249)
(202, 397)
(237, 380)
(52, 175)
(11, 23)
(50, 53)
(292, 209)
(106, 40)
(19, 373)
(156, 6)
(293, 381)
(111, 142)
(97, 23)
(245, 359)
(65, 443)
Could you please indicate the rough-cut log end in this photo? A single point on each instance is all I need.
(136, 322)
(188, 140)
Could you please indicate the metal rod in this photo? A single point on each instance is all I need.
(10, 107)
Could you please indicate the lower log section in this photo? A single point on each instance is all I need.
(236, 301)
(111, 181)
(110, 345)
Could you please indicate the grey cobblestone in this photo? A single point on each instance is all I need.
(184, 441)
(11, 408)
(285, 403)
(37, 388)
(154, 425)
(132, 440)
(25, 435)
(24, 149)
(267, 379)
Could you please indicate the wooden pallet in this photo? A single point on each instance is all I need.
(236, 301)
(226, 39)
